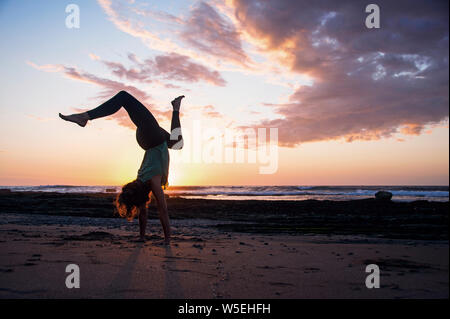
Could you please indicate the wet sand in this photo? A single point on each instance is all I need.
(224, 256)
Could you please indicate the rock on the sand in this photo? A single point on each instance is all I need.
(383, 195)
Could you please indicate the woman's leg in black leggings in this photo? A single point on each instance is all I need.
(148, 133)
(138, 113)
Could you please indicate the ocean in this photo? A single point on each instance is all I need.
(400, 193)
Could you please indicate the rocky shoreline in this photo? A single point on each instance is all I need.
(380, 218)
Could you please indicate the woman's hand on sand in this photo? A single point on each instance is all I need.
(177, 102)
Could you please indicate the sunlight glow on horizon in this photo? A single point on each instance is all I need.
(245, 78)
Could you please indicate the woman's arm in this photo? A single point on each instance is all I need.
(142, 221)
(163, 214)
(175, 139)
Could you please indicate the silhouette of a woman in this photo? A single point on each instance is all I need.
(153, 173)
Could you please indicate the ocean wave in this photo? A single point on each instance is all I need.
(359, 192)
(409, 193)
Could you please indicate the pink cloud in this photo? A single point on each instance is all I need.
(178, 67)
(210, 33)
(368, 84)
(171, 67)
(158, 15)
(133, 74)
(205, 36)
(110, 88)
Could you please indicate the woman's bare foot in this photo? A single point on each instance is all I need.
(177, 102)
(81, 119)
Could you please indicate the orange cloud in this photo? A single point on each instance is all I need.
(412, 129)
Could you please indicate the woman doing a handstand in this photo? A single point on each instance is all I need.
(153, 173)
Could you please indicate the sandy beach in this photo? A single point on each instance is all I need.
(210, 257)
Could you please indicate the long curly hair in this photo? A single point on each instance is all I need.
(133, 195)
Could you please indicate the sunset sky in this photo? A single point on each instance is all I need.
(352, 105)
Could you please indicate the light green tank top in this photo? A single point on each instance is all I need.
(155, 162)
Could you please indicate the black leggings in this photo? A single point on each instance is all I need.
(148, 133)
